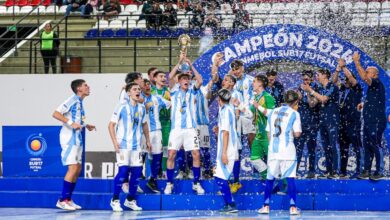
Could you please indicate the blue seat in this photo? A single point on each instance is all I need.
(195, 32)
(223, 31)
(165, 32)
(121, 33)
(136, 32)
(107, 33)
(150, 33)
(91, 33)
(178, 32)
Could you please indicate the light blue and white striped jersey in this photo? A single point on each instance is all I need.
(73, 110)
(183, 108)
(227, 122)
(129, 120)
(153, 113)
(244, 86)
(124, 97)
(281, 124)
(236, 95)
(202, 106)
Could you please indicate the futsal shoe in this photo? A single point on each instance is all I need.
(230, 208)
(77, 207)
(198, 188)
(264, 210)
(310, 175)
(364, 176)
(152, 185)
(294, 210)
(377, 177)
(116, 206)
(234, 187)
(343, 176)
(65, 205)
(139, 190)
(180, 175)
(125, 187)
(132, 205)
(168, 189)
(207, 174)
(190, 175)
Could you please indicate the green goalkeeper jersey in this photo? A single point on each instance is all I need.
(165, 114)
(267, 101)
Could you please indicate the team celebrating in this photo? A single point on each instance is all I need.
(166, 121)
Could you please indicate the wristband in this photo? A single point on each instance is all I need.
(260, 108)
(69, 122)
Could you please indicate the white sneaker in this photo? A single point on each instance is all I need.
(77, 207)
(125, 187)
(294, 210)
(264, 210)
(180, 176)
(139, 190)
(116, 206)
(65, 205)
(198, 188)
(190, 175)
(168, 189)
(132, 205)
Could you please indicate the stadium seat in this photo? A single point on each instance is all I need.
(150, 33)
(123, 15)
(347, 6)
(22, 2)
(374, 7)
(115, 24)
(251, 7)
(228, 23)
(164, 33)
(36, 2)
(25, 9)
(257, 22)
(108, 33)
(9, 3)
(179, 31)
(121, 33)
(3, 10)
(270, 21)
(224, 32)
(126, 2)
(141, 24)
(264, 7)
(62, 9)
(359, 7)
(358, 22)
(129, 24)
(183, 23)
(317, 7)
(385, 5)
(304, 8)
(51, 9)
(278, 8)
(384, 19)
(92, 33)
(41, 9)
(292, 7)
(195, 32)
(13, 9)
(131, 8)
(136, 32)
(102, 24)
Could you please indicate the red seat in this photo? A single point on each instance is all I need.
(22, 2)
(9, 3)
(36, 2)
(126, 2)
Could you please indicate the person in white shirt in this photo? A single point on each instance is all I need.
(71, 114)
(284, 123)
(126, 127)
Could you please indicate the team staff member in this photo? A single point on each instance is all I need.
(350, 124)
(274, 87)
(374, 118)
(49, 48)
(328, 97)
(308, 109)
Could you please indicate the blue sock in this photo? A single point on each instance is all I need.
(292, 191)
(189, 159)
(236, 171)
(180, 160)
(225, 190)
(66, 190)
(196, 171)
(120, 178)
(72, 187)
(268, 191)
(156, 165)
(206, 158)
(170, 173)
(135, 174)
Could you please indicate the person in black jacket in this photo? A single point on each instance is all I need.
(76, 5)
(170, 15)
(275, 88)
(49, 48)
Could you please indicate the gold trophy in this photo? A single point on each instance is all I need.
(184, 42)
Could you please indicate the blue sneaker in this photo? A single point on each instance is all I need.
(231, 208)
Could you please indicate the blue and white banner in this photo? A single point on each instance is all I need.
(32, 151)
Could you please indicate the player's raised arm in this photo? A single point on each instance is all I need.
(172, 74)
(362, 72)
(198, 77)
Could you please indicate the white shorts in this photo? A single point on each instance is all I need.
(71, 154)
(281, 169)
(131, 158)
(156, 141)
(247, 126)
(224, 171)
(186, 138)
(204, 135)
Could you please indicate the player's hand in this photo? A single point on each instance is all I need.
(148, 146)
(215, 129)
(76, 126)
(141, 99)
(148, 105)
(306, 87)
(255, 104)
(225, 160)
(218, 59)
(187, 60)
(116, 147)
(299, 95)
(360, 106)
(235, 102)
(182, 56)
(90, 127)
(341, 63)
(356, 56)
